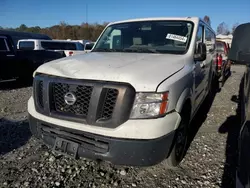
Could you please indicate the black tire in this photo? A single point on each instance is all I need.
(211, 85)
(180, 142)
(223, 79)
(215, 84)
(223, 76)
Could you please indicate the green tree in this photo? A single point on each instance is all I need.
(23, 28)
(66, 31)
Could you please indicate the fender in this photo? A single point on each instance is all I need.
(186, 94)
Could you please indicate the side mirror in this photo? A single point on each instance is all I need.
(89, 46)
(201, 52)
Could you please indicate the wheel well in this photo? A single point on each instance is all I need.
(186, 109)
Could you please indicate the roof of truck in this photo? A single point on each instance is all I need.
(17, 35)
(24, 34)
(65, 41)
(194, 19)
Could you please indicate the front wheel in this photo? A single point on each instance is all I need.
(180, 143)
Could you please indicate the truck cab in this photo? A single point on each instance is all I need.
(131, 99)
(20, 64)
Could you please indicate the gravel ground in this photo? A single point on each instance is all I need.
(209, 162)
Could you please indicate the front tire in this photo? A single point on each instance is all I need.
(180, 142)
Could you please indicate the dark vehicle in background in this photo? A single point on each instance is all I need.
(16, 36)
(223, 65)
(21, 63)
(240, 54)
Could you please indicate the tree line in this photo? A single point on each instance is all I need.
(66, 31)
(222, 28)
(92, 31)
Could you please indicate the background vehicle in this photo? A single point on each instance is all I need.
(223, 65)
(16, 36)
(81, 41)
(130, 101)
(68, 47)
(240, 54)
(225, 38)
(89, 46)
(18, 63)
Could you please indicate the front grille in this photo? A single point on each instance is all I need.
(109, 104)
(40, 94)
(82, 94)
(90, 102)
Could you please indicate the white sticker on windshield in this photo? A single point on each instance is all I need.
(176, 37)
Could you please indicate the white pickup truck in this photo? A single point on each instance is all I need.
(69, 48)
(131, 99)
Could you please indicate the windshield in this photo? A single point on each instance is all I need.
(146, 36)
(27, 45)
(220, 47)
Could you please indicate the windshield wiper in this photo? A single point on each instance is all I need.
(139, 50)
(105, 50)
(142, 50)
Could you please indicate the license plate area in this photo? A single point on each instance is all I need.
(66, 147)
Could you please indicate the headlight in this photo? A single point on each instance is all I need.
(149, 105)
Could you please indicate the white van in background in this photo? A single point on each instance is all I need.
(69, 47)
(82, 41)
(88, 44)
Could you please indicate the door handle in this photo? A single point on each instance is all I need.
(10, 55)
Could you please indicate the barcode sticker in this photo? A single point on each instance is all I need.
(176, 37)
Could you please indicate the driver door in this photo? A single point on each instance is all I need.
(199, 72)
(7, 59)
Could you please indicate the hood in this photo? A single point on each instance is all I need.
(143, 71)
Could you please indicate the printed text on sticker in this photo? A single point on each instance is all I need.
(176, 37)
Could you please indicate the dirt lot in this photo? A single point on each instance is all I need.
(209, 162)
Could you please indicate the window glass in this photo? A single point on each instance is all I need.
(27, 45)
(146, 36)
(209, 40)
(89, 46)
(3, 46)
(80, 46)
(199, 36)
(219, 47)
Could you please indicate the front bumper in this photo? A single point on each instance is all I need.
(145, 129)
(133, 152)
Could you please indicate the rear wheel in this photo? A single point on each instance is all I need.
(180, 142)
